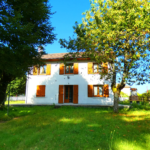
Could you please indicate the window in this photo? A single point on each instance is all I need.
(40, 91)
(96, 68)
(42, 70)
(69, 69)
(98, 90)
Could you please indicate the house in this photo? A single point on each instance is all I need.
(77, 83)
(126, 90)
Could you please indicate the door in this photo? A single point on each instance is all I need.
(68, 96)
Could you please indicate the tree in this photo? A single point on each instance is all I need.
(145, 95)
(117, 32)
(24, 26)
(17, 86)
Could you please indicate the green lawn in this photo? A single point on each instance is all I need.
(68, 128)
(126, 102)
(15, 102)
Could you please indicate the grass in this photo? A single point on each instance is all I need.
(75, 128)
(125, 102)
(15, 102)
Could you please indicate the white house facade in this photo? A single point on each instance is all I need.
(76, 83)
(126, 90)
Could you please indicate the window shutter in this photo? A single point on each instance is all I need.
(90, 90)
(61, 69)
(61, 92)
(75, 94)
(48, 69)
(40, 92)
(35, 70)
(106, 90)
(38, 70)
(105, 67)
(90, 68)
(75, 67)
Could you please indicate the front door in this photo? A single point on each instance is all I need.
(68, 96)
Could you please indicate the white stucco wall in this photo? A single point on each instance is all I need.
(126, 91)
(52, 82)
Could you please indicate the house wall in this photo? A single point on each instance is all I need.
(126, 91)
(52, 82)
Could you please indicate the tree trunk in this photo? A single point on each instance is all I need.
(3, 88)
(4, 81)
(116, 100)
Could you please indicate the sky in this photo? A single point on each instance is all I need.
(67, 13)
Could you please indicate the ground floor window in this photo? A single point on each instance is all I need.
(98, 90)
(40, 91)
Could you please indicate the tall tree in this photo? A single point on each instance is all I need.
(24, 25)
(117, 32)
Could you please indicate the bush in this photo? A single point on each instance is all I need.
(142, 105)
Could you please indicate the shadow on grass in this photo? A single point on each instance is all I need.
(129, 130)
(14, 112)
(78, 128)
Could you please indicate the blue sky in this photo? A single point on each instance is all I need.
(67, 13)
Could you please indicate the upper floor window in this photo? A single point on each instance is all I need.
(96, 68)
(69, 68)
(42, 69)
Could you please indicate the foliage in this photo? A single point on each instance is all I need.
(122, 94)
(125, 102)
(25, 25)
(117, 32)
(138, 94)
(17, 86)
(75, 128)
(145, 95)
